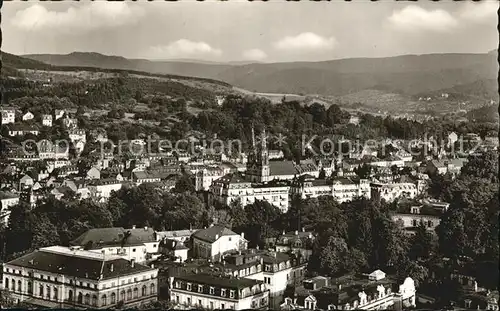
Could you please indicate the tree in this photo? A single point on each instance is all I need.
(422, 245)
(184, 184)
(263, 222)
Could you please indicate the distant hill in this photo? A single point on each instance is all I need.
(408, 74)
(92, 62)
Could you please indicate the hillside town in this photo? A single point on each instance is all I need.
(214, 267)
(241, 155)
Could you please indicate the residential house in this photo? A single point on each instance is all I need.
(296, 242)
(175, 249)
(101, 189)
(93, 173)
(213, 242)
(70, 123)
(8, 115)
(416, 216)
(47, 120)
(374, 291)
(59, 114)
(393, 191)
(183, 236)
(138, 244)
(452, 166)
(28, 116)
(61, 277)
(211, 292)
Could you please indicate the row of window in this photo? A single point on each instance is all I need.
(211, 303)
(223, 291)
(124, 296)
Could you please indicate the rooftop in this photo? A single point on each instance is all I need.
(221, 281)
(77, 263)
(213, 233)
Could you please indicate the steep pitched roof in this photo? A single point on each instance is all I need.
(213, 233)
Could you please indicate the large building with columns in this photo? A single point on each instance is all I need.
(61, 277)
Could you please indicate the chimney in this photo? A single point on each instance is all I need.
(296, 232)
(152, 266)
(145, 228)
(132, 263)
(243, 235)
(216, 237)
(111, 267)
(133, 227)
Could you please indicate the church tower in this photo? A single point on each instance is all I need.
(263, 158)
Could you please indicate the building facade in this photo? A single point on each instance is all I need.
(223, 293)
(59, 277)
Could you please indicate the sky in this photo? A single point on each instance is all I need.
(236, 30)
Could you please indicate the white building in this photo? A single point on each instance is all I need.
(212, 292)
(8, 115)
(28, 116)
(236, 187)
(370, 292)
(60, 277)
(139, 244)
(59, 114)
(212, 242)
(390, 192)
(77, 135)
(347, 189)
(101, 189)
(47, 120)
(206, 176)
(7, 200)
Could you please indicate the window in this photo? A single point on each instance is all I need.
(154, 245)
(200, 288)
(48, 292)
(212, 290)
(94, 300)
(211, 304)
(41, 291)
(19, 286)
(222, 306)
(136, 292)
(188, 286)
(6, 283)
(199, 302)
(188, 301)
(80, 298)
(414, 222)
(113, 298)
(231, 294)
(104, 300)
(429, 223)
(152, 289)
(133, 250)
(122, 295)
(129, 294)
(87, 299)
(229, 239)
(267, 268)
